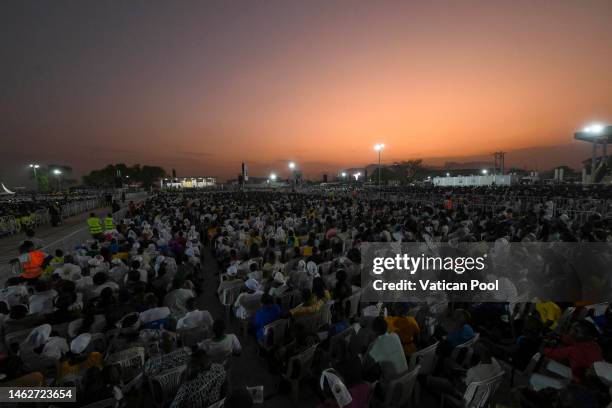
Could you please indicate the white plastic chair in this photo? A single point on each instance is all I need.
(130, 361)
(303, 361)
(399, 391)
(426, 358)
(274, 334)
(164, 385)
(478, 394)
(468, 346)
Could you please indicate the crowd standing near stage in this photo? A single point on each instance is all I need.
(117, 316)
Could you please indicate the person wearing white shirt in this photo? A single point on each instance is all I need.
(222, 345)
(42, 299)
(177, 299)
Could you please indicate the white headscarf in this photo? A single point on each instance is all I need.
(232, 270)
(312, 268)
(39, 335)
(252, 284)
(80, 343)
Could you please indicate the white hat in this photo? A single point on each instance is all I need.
(232, 270)
(337, 387)
(80, 343)
(39, 335)
(252, 284)
(55, 347)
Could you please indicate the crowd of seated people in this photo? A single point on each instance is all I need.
(289, 270)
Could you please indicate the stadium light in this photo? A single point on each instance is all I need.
(594, 128)
(356, 175)
(291, 165)
(484, 171)
(379, 147)
(273, 176)
(343, 174)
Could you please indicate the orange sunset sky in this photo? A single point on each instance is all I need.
(202, 86)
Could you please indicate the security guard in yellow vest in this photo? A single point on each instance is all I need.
(95, 226)
(109, 223)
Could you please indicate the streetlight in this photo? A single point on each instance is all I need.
(292, 166)
(447, 174)
(356, 175)
(58, 174)
(273, 176)
(35, 166)
(484, 171)
(379, 148)
(343, 174)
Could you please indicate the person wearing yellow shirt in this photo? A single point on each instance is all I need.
(407, 328)
(77, 359)
(549, 312)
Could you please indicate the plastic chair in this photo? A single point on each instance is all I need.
(399, 391)
(274, 334)
(218, 404)
(468, 347)
(164, 386)
(164, 362)
(426, 358)
(302, 363)
(229, 296)
(130, 361)
(478, 394)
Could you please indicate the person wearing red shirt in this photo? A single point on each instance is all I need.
(580, 351)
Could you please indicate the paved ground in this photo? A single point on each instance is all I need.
(9, 245)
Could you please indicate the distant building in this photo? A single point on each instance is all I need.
(465, 181)
(169, 183)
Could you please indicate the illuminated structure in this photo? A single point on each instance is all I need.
(596, 134)
(187, 182)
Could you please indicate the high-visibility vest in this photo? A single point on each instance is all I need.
(109, 224)
(32, 267)
(95, 226)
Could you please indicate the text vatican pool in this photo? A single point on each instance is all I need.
(435, 285)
